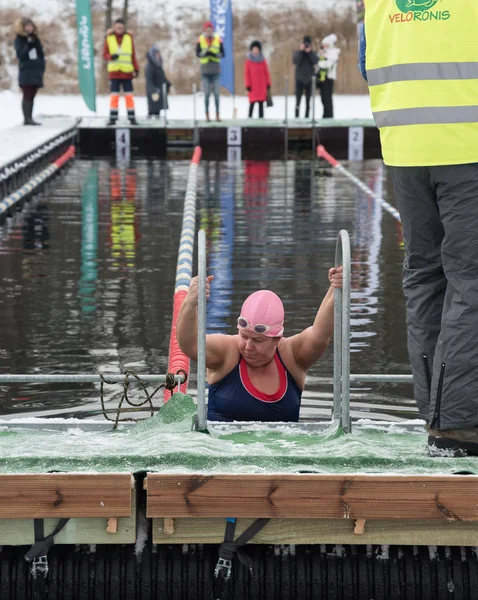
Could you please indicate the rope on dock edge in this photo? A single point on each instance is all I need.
(177, 359)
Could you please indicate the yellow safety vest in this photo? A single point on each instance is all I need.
(214, 47)
(124, 62)
(422, 69)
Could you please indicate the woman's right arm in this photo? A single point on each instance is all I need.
(22, 48)
(247, 79)
(217, 346)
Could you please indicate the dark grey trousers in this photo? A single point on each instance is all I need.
(439, 211)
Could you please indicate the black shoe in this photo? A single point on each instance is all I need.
(133, 121)
(111, 122)
(457, 443)
(27, 108)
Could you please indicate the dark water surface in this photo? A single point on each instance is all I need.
(87, 273)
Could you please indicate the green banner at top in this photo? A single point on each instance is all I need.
(86, 57)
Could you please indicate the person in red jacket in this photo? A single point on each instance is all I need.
(256, 78)
(120, 55)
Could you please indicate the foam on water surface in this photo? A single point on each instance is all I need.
(167, 443)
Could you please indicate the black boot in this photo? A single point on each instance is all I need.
(25, 112)
(27, 106)
(296, 112)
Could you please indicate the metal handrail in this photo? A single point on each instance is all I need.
(201, 355)
(195, 120)
(342, 376)
(367, 378)
(81, 378)
(341, 408)
(286, 100)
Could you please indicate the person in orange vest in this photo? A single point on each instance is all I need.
(210, 50)
(120, 55)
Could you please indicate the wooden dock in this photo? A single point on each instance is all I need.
(191, 508)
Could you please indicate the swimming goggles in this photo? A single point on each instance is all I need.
(261, 329)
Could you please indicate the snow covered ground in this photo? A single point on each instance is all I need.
(181, 107)
(17, 141)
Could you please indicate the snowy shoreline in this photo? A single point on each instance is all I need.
(181, 107)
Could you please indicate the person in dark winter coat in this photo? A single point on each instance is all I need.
(155, 79)
(32, 65)
(256, 78)
(304, 60)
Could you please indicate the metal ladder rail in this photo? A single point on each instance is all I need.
(342, 376)
(201, 357)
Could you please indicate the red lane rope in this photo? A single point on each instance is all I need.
(322, 153)
(177, 359)
(65, 157)
(196, 155)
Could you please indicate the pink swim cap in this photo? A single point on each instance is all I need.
(263, 313)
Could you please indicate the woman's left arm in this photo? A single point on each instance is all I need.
(41, 54)
(268, 74)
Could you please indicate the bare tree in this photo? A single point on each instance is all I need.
(125, 11)
(109, 14)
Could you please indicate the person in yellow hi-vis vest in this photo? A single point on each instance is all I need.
(120, 55)
(210, 50)
(421, 62)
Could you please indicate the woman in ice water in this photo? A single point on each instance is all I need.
(258, 374)
(31, 65)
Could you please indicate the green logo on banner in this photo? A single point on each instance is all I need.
(415, 5)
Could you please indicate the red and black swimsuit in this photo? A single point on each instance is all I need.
(235, 398)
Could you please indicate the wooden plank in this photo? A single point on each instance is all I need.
(20, 532)
(65, 495)
(313, 496)
(324, 531)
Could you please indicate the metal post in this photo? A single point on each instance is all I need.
(196, 130)
(337, 407)
(201, 358)
(342, 335)
(165, 103)
(314, 145)
(286, 120)
(286, 99)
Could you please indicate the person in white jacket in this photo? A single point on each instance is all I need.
(327, 72)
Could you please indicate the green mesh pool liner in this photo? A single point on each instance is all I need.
(166, 443)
